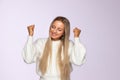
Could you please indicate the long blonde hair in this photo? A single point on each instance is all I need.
(64, 64)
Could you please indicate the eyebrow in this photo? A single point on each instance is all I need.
(58, 28)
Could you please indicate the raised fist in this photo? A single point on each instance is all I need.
(76, 32)
(31, 29)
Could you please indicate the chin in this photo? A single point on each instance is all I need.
(54, 38)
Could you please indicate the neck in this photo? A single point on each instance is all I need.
(55, 39)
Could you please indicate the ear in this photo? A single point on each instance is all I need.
(63, 36)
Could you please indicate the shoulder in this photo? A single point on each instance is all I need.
(71, 42)
(41, 41)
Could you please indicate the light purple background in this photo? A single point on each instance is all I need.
(99, 21)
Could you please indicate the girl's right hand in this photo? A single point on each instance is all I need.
(31, 29)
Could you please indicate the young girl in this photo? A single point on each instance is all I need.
(53, 56)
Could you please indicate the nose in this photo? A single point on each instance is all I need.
(54, 30)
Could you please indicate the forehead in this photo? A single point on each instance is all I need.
(58, 24)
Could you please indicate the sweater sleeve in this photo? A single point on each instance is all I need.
(31, 50)
(77, 52)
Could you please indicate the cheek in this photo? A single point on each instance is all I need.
(61, 33)
(51, 30)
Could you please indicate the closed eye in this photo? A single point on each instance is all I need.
(53, 27)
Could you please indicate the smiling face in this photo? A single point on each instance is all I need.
(57, 30)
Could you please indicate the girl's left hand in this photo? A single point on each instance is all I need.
(76, 32)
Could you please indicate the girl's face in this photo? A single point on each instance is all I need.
(57, 30)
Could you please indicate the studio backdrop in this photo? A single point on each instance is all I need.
(99, 21)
